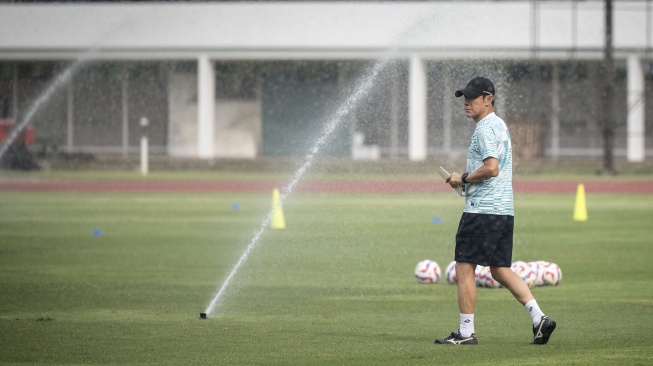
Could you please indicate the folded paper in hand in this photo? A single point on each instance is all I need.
(445, 174)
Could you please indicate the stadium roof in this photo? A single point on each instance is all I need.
(320, 30)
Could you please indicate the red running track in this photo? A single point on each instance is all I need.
(336, 186)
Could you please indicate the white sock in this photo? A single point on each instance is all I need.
(534, 311)
(466, 325)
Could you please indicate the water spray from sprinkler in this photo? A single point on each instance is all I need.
(59, 81)
(363, 87)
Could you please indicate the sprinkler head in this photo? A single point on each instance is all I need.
(202, 315)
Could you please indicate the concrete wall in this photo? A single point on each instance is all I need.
(182, 104)
(237, 122)
(238, 129)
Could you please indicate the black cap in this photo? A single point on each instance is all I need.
(476, 87)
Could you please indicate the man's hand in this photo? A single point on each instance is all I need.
(455, 180)
(489, 169)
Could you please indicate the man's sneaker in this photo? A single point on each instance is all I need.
(542, 331)
(456, 338)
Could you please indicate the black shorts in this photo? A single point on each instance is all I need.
(485, 239)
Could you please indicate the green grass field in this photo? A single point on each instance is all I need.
(335, 287)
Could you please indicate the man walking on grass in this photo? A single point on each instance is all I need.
(485, 230)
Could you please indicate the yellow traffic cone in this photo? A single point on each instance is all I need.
(278, 222)
(580, 208)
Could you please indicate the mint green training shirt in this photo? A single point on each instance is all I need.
(493, 196)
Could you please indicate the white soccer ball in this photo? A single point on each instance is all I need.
(538, 267)
(427, 271)
(523, 270)
(450, 273)
(551, 274)
(480, 275)
(490, 281)
(483, 277)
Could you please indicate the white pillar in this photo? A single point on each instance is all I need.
(14, 93)
(205, 107)
(394, 114)
(145, 155)
(447, 114)
(555, 115)
(635, 149)
(417, 110)
(70, 116)
(125, 111)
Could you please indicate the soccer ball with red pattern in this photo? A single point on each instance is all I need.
(551, 274)
(489, 280)
(524, 270)
(450, 273)
(538, 268)
(427, 271)
(480, 275)
(483, 277)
